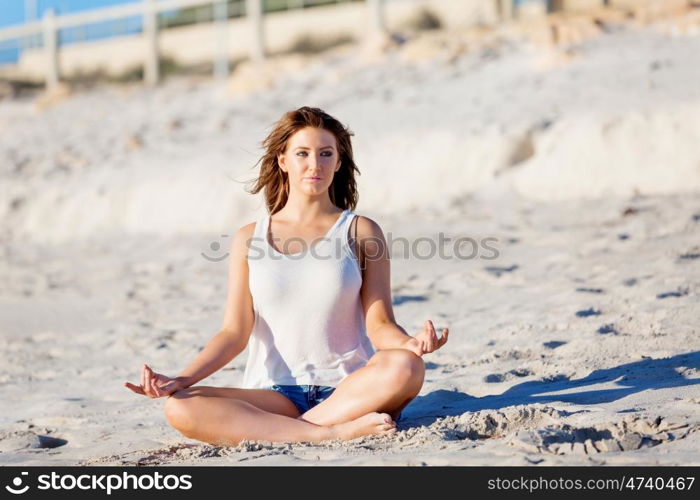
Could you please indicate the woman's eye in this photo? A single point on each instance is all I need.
(325, 153)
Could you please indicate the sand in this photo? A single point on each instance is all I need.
(577, 344)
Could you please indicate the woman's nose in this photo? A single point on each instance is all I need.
(316, 160)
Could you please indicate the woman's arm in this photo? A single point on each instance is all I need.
(381, 325)
(227, 343)
(218, 352)
(239, 316)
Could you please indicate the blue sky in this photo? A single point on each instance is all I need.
(12, 11)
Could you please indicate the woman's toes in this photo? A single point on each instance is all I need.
(386, 417)
(371, 423)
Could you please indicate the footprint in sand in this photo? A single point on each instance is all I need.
(556, 377)
(498, 271)
(20, 440)
(584, 313)
(492, 378)
(553, 344)
(400, 299)
(678, 293)
(632, 433)
(608, 328)
(631, 410)
(590, 290)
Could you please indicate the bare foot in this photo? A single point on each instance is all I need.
(372, 423)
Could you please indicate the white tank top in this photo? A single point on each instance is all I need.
(309, 324)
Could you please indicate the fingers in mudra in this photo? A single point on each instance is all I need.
(149, 384)
(431, 337)
(136, 388)
(431, 340)
(147, 381)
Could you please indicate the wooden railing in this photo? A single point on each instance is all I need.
(49, 26)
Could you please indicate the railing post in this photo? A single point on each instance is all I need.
(505, 9)
(254, 12)
(221, 58)
(29, 16)
(376, 12)
(151, 73)
(51, 49)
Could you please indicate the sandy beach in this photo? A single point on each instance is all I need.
(575, 343)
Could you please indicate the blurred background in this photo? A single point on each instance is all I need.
(145, 113)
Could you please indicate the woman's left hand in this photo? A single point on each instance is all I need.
(427, 340)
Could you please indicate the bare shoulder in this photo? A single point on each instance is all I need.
(241, 239)
(370, 240)
(368, 229)
(247, 230)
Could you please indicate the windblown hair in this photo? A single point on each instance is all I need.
(274, 182)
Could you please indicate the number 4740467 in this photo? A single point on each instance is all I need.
(660, 483)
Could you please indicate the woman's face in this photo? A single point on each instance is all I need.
(311, 160)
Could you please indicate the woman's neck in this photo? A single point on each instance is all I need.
(307, 210)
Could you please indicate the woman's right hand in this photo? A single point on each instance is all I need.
(155, 385)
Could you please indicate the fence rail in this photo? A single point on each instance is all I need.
(47, 29)
(45, 32)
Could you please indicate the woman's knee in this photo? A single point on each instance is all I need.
(403, 366)
(179, 412)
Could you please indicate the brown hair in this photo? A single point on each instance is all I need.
(274, 182)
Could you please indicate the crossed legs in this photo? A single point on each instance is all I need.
(387, 383)
(365, 402)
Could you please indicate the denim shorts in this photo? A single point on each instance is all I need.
(306, 397)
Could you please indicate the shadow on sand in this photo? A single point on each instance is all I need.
(629, 378)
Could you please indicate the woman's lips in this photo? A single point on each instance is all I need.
(312, 179)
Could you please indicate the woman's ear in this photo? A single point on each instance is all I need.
(281, 161)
